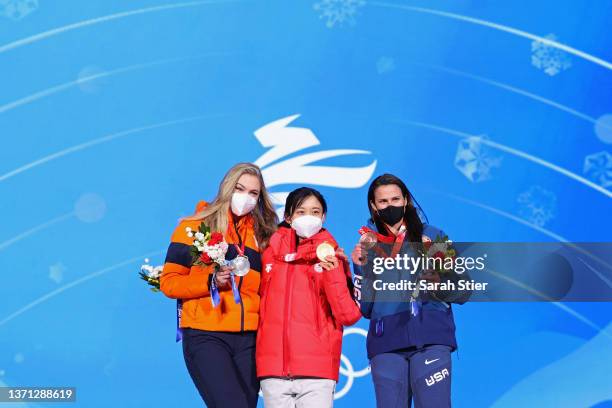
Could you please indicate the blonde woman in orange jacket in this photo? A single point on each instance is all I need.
(219, 341)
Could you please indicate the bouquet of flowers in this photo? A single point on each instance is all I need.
(439, 253)
(151, 274)
(208, 247)
(439, 257)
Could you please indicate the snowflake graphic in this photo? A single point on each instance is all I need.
(56, 272)
(338, 11)
(598, 167)
(17, 9)
(385, 65)
(547, 58)
(538, 205)
(474, 159)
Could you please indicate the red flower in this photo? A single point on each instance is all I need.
(439, 254)
(205, 258)
(215, 238)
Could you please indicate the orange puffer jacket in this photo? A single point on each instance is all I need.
(191, 283)
(303, 309)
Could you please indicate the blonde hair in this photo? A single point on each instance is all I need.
(215, 213)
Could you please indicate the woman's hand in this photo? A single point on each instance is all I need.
(223, 276)
(331, 262)
(340, 254)
(359, 256)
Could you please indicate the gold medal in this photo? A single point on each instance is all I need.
(324, 250)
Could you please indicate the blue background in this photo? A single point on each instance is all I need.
(112, 128)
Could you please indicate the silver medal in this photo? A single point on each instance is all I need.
(241, 265)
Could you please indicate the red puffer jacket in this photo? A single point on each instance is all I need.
(303, 309)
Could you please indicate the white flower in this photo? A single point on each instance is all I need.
(190, 234)
(147, 269)
(199, 236)
(156, 272)
(449, 242)
(188, 229)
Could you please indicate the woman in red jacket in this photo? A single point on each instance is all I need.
(305, 302)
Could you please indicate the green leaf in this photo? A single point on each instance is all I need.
(204, 229)
(195, 255)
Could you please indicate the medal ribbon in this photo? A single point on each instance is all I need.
(240, 250)
(179, 311)
(215, 298)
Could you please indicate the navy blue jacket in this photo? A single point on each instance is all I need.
(397, 328)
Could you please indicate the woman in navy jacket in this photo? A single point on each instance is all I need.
(409, 353)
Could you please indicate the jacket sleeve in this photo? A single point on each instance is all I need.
(179, 280)
(343, 307)
(362, 296)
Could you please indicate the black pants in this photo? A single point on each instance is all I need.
(222, 367)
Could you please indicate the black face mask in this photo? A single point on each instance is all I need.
(391, 214)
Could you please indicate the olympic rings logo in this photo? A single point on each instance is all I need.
(346, 367)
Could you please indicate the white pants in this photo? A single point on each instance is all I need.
(298, 393)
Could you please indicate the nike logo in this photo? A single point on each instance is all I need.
(428, 362)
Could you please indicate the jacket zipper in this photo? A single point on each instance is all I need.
(315, 308)
(241, 304)
(289, 286)
(286, 371)
(240, 282)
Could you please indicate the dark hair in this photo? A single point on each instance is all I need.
(297, 197)
(414, 225)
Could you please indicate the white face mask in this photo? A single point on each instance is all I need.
(242, 203)
(307, 225)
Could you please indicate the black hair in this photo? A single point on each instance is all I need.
(297, 197)
(414, 224)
